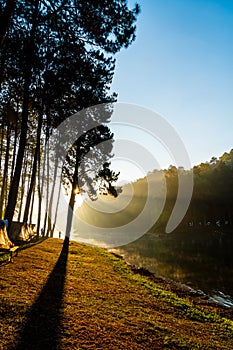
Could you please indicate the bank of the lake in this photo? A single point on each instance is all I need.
(200, 258)
(60, 296)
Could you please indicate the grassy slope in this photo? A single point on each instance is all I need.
(96, 302)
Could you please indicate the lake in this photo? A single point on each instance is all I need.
(203, 260)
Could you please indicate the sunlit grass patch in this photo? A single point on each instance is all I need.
(104, 304)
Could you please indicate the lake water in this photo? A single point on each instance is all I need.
(202, 260)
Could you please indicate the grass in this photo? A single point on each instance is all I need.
(86, 298)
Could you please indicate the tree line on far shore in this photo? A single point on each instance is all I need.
(211, 205)
(212, 199)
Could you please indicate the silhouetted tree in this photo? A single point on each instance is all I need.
(57, 59)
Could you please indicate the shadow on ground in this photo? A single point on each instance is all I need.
(43, 324)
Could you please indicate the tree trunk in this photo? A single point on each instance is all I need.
(39, 197)
(45, 165)
(57, 205)
(1, 146)
(14, 151)
(70, 213)
(32, 205)
(47, 190)
(50, 228)
(12, 198)
(5, 172)
(72, 195)
(23, 179)
(39, 212)
(34, 169)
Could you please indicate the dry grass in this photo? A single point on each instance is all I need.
(89, 299)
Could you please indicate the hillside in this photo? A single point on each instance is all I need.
(57, 296)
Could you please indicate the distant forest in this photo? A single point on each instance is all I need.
(211, 206)
(212, 200)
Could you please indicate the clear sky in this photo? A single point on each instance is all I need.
(181, 66)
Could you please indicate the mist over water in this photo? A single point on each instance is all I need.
(112, 222)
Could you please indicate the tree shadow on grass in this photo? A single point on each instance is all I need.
(43, 325)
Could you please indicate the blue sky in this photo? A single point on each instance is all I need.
(181, 66)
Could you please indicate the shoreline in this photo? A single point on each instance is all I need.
(209, 247)
(182, 290)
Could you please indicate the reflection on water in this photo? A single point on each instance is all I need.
(223, 299)
(203, 260)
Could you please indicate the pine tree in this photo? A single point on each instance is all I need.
(58, 58)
